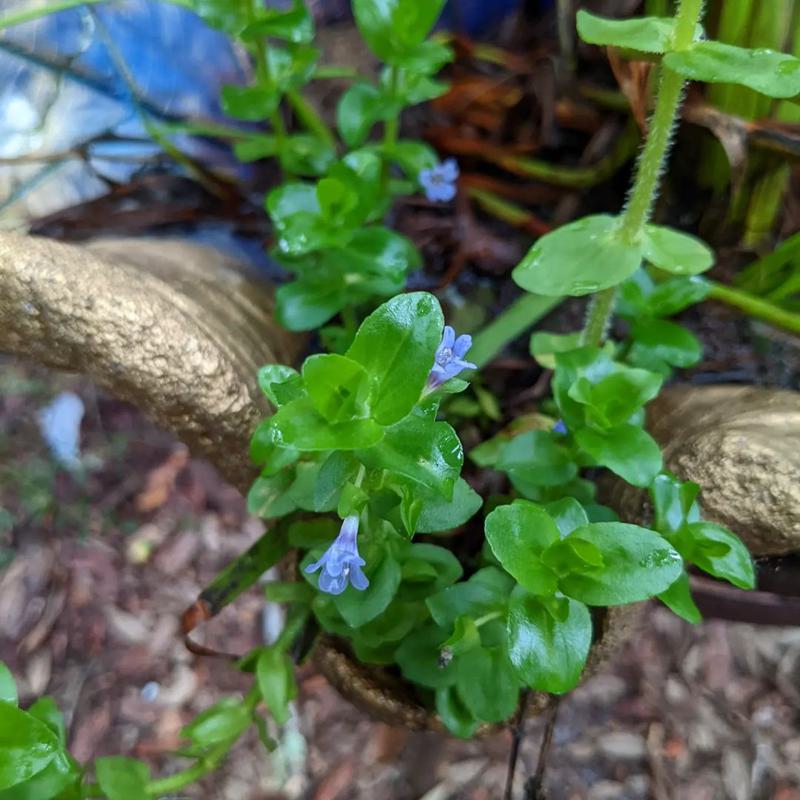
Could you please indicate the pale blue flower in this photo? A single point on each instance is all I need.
(341, 561)
(449, 359)
(560, 427)
(439, 182)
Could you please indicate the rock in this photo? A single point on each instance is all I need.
(606, 790)
(623, 746)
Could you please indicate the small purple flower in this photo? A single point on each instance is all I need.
(449, 360)
(439, 182)
(560, 427)
(342, 561)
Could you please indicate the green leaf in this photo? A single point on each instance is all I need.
(537, 457)
(664, 341)
(396, 344)
(359, 108)
(251, 103)
(579, 258)
(734, 566)
(303, 427)
(268, 497)
(303, 305)
(676, 294)
(676, 252)
(291, 592)
(375, 261)
(439, 514)
(646, 34)
(413, 156)
(627, 450)
(358, 608)
(545, 345)
(567, 513)
(394, 28)
(27, 745)
(310, 533)
(678, 598)
(304, 154)
(454, 714)
(638, 564)
(590, 386)
(422, 450)
(765, 71)
(8, 687)
(433, 568)
(122, 778)
(338, 386)
(486, 591)
(335, 472)
(46, 710)
(275, 674)
(487, 684)
(224, 721)
(548, 654)
(57, 780)
(518, 534)
(294, 25)
(675, 503)
(273, 374)
(231, 17)
(419, 658)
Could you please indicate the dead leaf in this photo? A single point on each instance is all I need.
(161, 481)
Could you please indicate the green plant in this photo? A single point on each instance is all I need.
(355, 461)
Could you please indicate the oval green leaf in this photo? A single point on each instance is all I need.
(765, 71)
(548, 654)
(676, 252)
(580, 258)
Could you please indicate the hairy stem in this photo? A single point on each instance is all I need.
(650, 166)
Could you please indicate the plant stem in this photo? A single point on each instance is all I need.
(43, 11)
(755, 307)
(508, 325)
(308, 115)
(662, 122)
(264, 77)
(649, 168)
(294, 624)
(208, 763)
(390, 127)
(598, 317)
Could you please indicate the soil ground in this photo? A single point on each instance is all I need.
(98, 572)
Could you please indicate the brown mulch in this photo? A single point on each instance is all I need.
(89, 608)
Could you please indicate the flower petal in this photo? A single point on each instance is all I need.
(358, 578)
(332, 584)
(462, 344)
(316, 565)
(448, 338)
(449, 170)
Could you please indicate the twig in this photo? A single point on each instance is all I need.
(534, 786)
(516, 741)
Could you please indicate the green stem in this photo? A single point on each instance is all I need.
(488, 618)
(662, 122)
(208, 763)
(650, 166)
(264, 77)
(598, 317)
(391, 126)
(31, 14)
(508, 325)
(756, 307)
(294, 624)
(311, 120)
